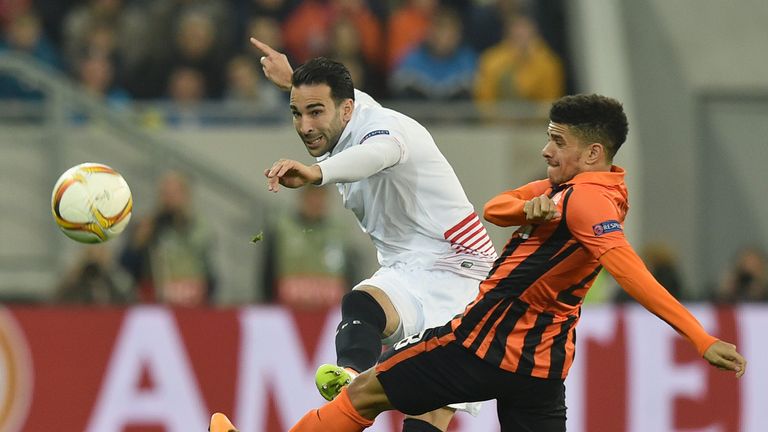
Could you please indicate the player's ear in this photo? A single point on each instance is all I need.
(595, 153)
(346, 109)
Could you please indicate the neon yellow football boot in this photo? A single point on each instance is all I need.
(330, 379)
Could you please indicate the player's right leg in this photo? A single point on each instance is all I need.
(367, 315)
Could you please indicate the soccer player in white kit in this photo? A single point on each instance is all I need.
(432, 247)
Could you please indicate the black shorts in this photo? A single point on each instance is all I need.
(423, 373)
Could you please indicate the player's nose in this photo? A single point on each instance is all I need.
(546, 152)
(306, 127)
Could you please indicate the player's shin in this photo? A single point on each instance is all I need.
(338, 415)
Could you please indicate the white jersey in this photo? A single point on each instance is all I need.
(414, 207)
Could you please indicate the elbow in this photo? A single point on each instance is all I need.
(488, 212)
(492, 217)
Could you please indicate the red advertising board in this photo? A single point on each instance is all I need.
(158, 369)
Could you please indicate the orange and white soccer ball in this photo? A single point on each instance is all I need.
(91, 203)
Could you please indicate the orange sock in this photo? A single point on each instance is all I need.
(338, 415)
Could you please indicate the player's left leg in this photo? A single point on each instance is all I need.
(367, 315)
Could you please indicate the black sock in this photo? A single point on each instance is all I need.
(358, 337)
(416, 425)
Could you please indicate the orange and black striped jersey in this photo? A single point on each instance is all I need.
(524, 318)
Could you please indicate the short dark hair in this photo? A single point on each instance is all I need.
(593, 118)
(321, 70)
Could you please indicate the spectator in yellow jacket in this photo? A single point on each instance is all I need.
(520, 67)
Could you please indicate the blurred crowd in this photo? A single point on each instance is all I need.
(187, 51)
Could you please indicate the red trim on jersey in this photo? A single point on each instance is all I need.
(464, 234)
(470, 236)
(458, 226)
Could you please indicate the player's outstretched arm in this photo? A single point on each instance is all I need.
(362, 161)
(724, 356)
(275, 65)
(632, 275)
(291, 174)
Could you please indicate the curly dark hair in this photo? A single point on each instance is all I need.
(593, 118)
(321, 70)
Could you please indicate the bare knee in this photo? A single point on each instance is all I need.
(392, 317)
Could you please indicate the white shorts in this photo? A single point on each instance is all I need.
(425, 299)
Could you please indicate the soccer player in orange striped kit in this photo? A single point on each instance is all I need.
(515, 342)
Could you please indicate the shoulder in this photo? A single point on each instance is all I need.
(585, 203)
(584, 195)
(594, 219)
(363, 99)
(375, 121)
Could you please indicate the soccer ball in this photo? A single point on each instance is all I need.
(91, 203)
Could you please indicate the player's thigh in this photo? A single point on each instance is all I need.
(533, 405)
(429, 370)
(443, 295)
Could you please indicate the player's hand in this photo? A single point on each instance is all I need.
(291, 174)
(540, 209)
(724, 356)
(275, 65)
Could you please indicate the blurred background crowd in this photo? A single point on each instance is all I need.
(188, 51)
(166, 59)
